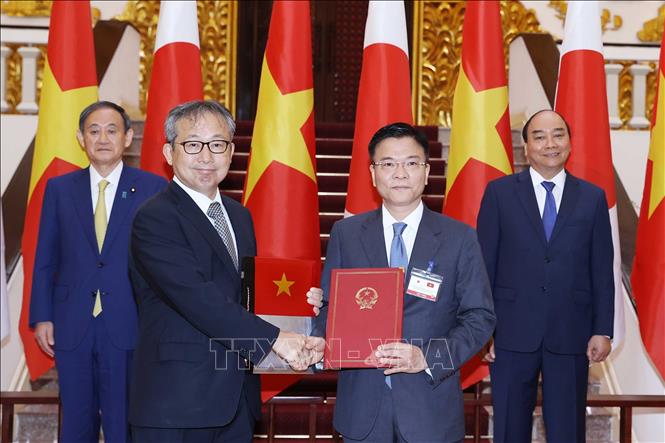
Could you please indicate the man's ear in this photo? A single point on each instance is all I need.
(129, 136)
(79, 137)
(372, 171)
(167, 150)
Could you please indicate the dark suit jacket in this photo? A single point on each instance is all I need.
(559, 293)
(449, 331)
(193, 331)
(69, 268)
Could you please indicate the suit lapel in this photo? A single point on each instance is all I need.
(201, 223)
(83, 203)
(372, 240)
(527, 197)
(428, 241)
(571, 192)
(123, 202)
(243, 242)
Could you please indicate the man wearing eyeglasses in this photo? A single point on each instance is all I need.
(190, 378)
(418, 398)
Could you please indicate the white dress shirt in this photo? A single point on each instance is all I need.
(408, 235)
(109, 193)
(203, 202)
(559, 181)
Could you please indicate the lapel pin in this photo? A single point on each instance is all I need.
(124, 194)
(132, 190)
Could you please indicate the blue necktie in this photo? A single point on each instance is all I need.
(549, 213)
(398, 259)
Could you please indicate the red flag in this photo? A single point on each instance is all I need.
(384, 95)
(69, 85)
(175, 78)
(480, 144)
(281, 190)
(581, 99)
(648, 278)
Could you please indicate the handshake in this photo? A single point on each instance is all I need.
(298, 350)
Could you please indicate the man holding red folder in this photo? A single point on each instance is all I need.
(417, 398)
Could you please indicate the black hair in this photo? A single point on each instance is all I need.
(398, 130)
(525, 129)
(102, 105)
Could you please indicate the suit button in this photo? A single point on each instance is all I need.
(547, 260)
(100, 264)
(543, 288)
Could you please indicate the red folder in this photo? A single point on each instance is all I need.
(365, 311)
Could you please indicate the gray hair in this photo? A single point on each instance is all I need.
(194, 110)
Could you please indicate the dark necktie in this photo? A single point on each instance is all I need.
(222, 227)
(549, 213)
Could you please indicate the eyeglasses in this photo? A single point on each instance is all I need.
(216, 146)
(389, 165)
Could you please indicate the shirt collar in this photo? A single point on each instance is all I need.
(559, 180)
(412, 220)
(201, 200)
(113, 178)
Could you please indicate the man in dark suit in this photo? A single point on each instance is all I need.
(189, 380)
(547, 244)
(82, 306)
(418, 398)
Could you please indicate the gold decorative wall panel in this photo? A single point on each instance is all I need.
(652, 30)
(13, 79)
(437, 44)
(26, 8)
(217, 34)
(652, 78)
(606, 17)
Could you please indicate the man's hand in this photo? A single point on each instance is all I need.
(488, 349)
(598, 349)
(315, 298)
(401, 357)
(315, 346)
(44, 337)
(291, 348)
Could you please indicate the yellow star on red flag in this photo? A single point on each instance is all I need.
(283, 285)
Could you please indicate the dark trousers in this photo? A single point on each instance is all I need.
(514, 377)
(94, 381)
(386, 428)
(239, 430)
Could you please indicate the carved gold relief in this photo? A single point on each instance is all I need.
(652, 30)
(13, 91)
(437, 47)
(625, 94)
(652, 78)
(217, 29)
(13, 79)
(26, 8)
(561, 6)
(217, 24)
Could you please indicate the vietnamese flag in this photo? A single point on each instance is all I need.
(69, 85)
(281, 285)
(281, 189)
(581, 98)
(175, 77)
(481, 147)
(648, 278)
(384, 95)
